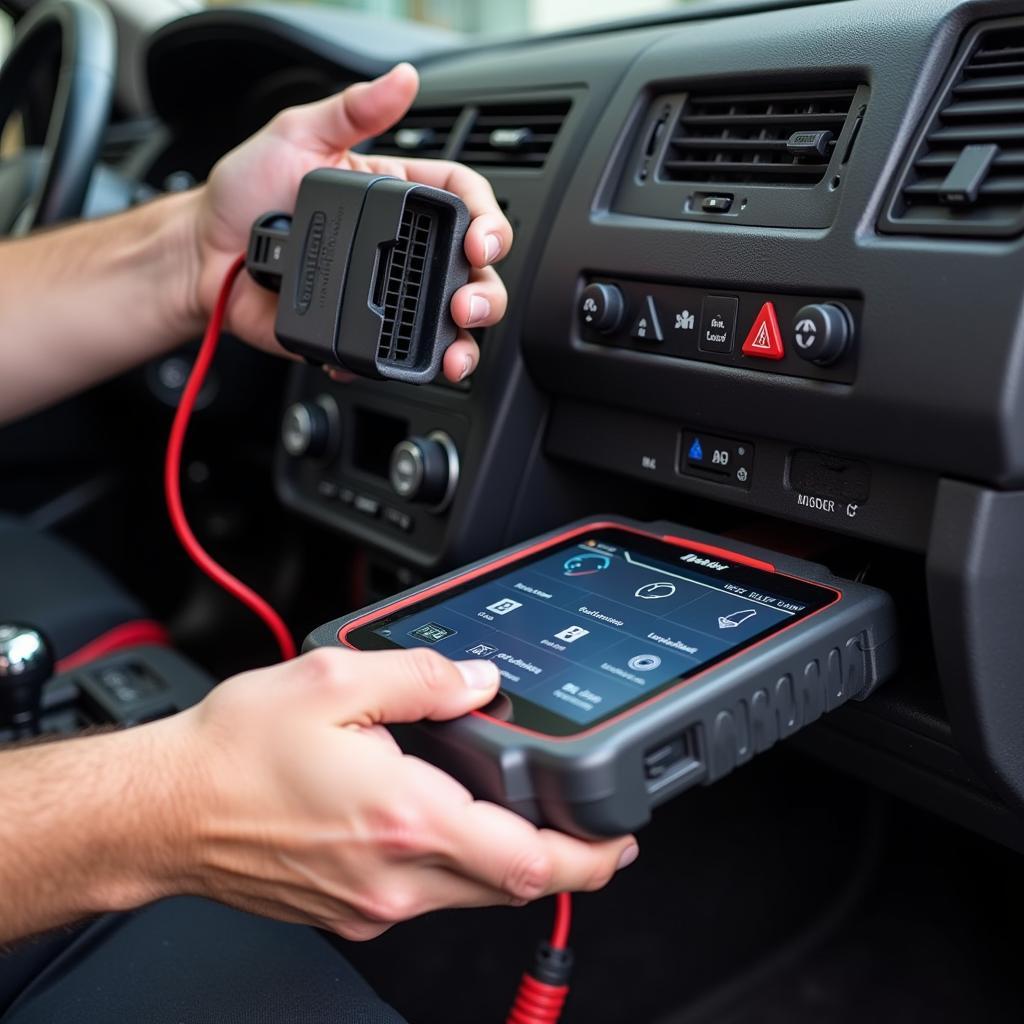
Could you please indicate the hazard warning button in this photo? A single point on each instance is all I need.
(764, 339)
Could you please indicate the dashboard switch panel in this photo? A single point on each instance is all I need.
(690, 322)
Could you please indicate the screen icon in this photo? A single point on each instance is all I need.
(736, 619)
(586, 564)
(504, 606)
(572, 633)
(432, 632)
(644, 663)
(653, 591)
(482, 650)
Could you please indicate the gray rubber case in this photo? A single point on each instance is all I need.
(596, 784)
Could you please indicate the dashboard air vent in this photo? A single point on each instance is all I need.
(514, 135)
(764, 138)
(422, 132)
(966, 176)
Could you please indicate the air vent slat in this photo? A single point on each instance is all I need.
(801, 120)
(770, 138)
(715, 142)
(840, 96)
(998, 83)
(978, 133)
(424, 132)
(981, 71)
(687, 168)
(1006, 158)
(967, 176)
(514, 135)
(977, 110)
(985, 55)
(489, 121)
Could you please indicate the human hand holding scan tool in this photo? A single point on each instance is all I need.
(349, 245)
(636, 660)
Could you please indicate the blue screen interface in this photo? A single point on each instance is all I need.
(594, 627)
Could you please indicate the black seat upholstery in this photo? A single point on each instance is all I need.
(47, 583)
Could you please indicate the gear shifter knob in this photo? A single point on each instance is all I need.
(26, 663)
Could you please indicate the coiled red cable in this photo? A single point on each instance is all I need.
(172, 476)
(537, 1002)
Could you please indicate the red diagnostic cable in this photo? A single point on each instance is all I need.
(544, 988)
(172, 476)
(563, 921)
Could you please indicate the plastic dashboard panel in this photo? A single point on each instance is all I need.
(554, 426)
(939, 340)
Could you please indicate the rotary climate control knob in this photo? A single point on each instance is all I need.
(310, 427)
(821, 332)
(425, 469)
(602, 307)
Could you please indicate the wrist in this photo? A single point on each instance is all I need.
(177, 236)
(148, 848)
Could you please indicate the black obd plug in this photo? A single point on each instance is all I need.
(366, 269)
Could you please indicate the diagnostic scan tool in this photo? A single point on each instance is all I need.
(636, 661)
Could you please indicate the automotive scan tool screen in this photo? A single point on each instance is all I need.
(587, 629)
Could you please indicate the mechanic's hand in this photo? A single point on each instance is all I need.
(306, 810)
(264, 173)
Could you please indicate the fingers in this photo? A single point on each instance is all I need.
(368, 688)
(359, 112)
(503, 851)
(489, 237)
(461, 358)
(482, 302)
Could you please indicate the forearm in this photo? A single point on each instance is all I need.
(80, 304)
(90, 825)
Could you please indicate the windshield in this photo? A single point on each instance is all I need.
(505, 17)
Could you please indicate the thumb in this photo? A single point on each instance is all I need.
(407, 686)
(362, 110)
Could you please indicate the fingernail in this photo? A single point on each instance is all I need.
(479, 310)
(629, 854)
(479, 675)
(492, 247)
(467, 367)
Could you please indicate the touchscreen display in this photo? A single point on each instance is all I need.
(590, 627)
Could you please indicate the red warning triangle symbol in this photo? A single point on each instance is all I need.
(764, 339)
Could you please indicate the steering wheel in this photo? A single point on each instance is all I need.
(45, 186)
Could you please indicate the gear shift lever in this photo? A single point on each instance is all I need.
(26, 663)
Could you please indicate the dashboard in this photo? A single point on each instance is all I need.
(766, 281)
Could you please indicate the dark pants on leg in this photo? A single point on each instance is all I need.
(186, 961)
